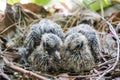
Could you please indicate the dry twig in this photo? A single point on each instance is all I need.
(6, 29)
(107, 62)
(23, 71)
(79, 76)
(4, 75)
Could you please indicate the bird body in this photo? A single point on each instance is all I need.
(47, 54)
(90, 34)
(78, 55)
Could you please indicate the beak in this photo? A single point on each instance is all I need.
(58, 54)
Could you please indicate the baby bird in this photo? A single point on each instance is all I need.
(91, 36)
(47, 55)
(78, 55)
(37, 30)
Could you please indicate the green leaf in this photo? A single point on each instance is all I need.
(41, 2)
(13, 1)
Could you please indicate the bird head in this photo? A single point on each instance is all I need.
(48, 26)
(51, 44)
(74, 43)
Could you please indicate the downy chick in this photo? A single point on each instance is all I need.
(47, 56)
(77, 53)
(91, 36)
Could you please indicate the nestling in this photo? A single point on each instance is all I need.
(47, 56)
(91, 36)
(78, 54)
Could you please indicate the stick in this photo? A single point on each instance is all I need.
(4, 75)
(79, 76)
(23, 71)
(107, 62)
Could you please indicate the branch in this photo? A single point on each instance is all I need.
(6, 29)
(23, 71)
(79, 76)
(107, 62)
(4, 75)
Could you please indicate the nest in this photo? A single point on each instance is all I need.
(106, 30)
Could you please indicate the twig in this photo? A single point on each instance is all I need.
(96, 71)
(101, 6)
(102, 56)
(107, 62)
(117, 58)
(23, 71)
(66, 25)
(72, 23)
(9, 28)
(71, 18)
(4, 75)
(35, 15)
(79, 76)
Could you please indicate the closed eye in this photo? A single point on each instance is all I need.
(80, 45)
(46, 45)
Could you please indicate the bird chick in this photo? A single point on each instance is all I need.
(47, 55)
(37, 30)
(78, 54)
(91, 36)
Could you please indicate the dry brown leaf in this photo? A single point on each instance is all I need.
(115, 16)
(1, 26)
(35, 9)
